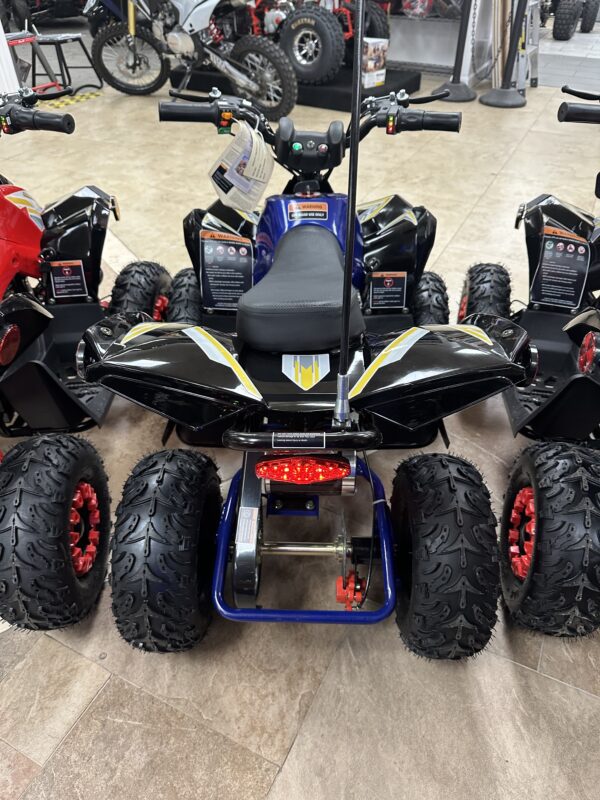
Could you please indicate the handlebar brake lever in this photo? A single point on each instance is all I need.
(192, 98)
(45, 96)
(580, 94)
(430, 98)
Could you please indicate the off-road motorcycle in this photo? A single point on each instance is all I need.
(316, 38)
(134, 56)
(50, 272)
(550, 538)
(567, 14)
(308, 381)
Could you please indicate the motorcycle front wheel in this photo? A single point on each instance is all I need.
(132, 65)
(268, 66)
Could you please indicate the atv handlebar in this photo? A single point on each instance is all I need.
(189, 112)
(427, 121)
(16, 118)
(579, 112)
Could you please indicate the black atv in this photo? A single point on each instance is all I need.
(550, 537)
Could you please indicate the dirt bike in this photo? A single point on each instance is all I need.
(550, 544)
(134, 56)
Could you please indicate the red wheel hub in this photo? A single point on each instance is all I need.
(462, 311)
(84, 520)
(160, 307)
(521, 534)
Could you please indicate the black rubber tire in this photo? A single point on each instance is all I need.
(120, 29)
(589, 15)
(447, 557)
(185, 299)
(430, 301)
(39, 589)
(566, 18)
(377, 26)
(324, 25)
(486, 290)
(138, 286)
(163, 551)
(289, 83)
(560, 595)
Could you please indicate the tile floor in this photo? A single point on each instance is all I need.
(294, 712)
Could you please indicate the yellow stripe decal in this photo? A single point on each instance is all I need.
(138, 330)
(473, 330)
(393, 352)
(223, 356)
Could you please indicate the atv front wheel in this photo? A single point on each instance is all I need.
(447, 557)
(163, 551)
(486, 290)
(589, 15)
(550, 540)
(141, 286)
(54, 532)
(138, 69)
(267, 65)
(566, 18)
(185, 300)
(313, 41)
(430, 301)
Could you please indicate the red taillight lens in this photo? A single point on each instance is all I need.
(303, 469)
(587, 352)
(10, 341)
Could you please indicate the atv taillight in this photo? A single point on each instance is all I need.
(303, 469)
(10, 341)
(588, 351)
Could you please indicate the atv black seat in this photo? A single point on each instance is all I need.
(297, 306)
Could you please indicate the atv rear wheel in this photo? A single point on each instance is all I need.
(486, 290)
(54, 531)
(447, 557)
(430, 301)
(313, 41)
(566, 18)
(163, 551)
(267, 65)
(550, 540)
(589, 15)
(185, 300)
(141, 286)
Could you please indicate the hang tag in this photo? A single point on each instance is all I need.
(241, 174)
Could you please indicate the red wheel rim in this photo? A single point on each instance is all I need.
(521, 534)
(84, 535)
(462, 310)
(160, 307)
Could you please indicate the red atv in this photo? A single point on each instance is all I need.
(50, 272)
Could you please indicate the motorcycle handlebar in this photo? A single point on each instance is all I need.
(29, 119)
(579, 112)
(188, 112)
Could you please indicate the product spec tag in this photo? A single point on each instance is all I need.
(562, 272)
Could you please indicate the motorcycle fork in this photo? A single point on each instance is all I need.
(131, 18)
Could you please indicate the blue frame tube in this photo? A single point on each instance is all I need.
(226, 531)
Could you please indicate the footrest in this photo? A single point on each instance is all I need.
(95, 398)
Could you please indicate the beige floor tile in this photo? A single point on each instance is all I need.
(574, 661)
(516, 643)
(253, 683)
(16, 772)
(44, 695)
(14, 646)
(388, 725)
(130, 746)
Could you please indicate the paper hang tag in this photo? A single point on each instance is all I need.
(241, 174)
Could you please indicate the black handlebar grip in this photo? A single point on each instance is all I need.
(29, 119)
(189, 112)
(410, 120)
(578, 112)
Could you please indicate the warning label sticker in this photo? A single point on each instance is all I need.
(388, 290)
(227, 268)
(68, 279)
(562, 272)
(307, 209)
